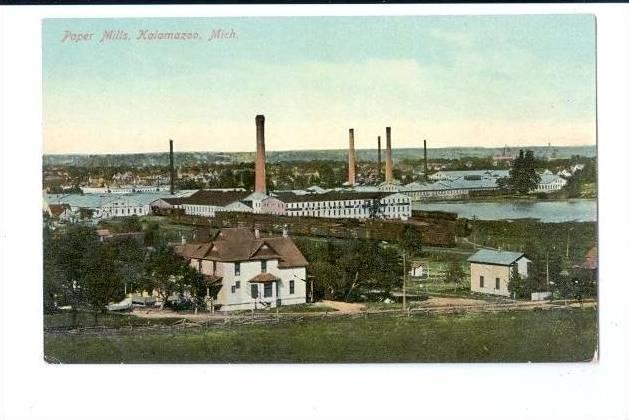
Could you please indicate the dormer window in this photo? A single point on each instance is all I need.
(263, 266)
(237, 268)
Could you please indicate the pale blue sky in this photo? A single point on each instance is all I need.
(457, 81)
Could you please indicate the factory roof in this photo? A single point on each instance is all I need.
(483, 173)
(456, 184)
(289, 197)
(214, 198)
(99, 200)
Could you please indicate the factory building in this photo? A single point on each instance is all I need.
(355, 205)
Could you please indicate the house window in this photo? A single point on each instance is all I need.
(213, 267)
(497, 283)
(234, 288)
(268, 290)
(238, 285)
(482, 281)
(263, 266)
(254, 291)
(237, 269)
(291, 287)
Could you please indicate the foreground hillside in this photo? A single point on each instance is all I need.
(536, 336)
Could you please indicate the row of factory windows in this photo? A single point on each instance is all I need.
(342, 204)
(346, 212)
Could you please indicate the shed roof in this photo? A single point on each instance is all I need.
(490, 256)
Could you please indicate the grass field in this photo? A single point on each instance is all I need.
(538, 336)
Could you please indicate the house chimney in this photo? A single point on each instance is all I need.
(285, 231)
(172, 169)
(388, 164)
(379, 161)
(425, 162)
(260, 156)
(351, 158)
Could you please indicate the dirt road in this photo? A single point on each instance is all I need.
(342, 307)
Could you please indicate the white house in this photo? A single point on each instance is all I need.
(491, 270)
(252, 271)
(62, 212)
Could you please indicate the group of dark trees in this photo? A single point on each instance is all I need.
(357, 269)
(549, 271)
(351, 270)
(85, 273)
(522, 177)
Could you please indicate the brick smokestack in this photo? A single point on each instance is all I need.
(172, 169)
(379, 161)
(351, 159)
(260, 156)
(425, 162)
(388, 164)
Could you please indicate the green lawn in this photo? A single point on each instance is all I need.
(540, 336)
(87, 319)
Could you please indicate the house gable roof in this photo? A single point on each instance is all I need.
(240, 244)
(57, 209)
(490, 256)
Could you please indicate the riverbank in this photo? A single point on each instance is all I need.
(549, 211)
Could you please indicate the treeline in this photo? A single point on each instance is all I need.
(357, 269)
(85, 273)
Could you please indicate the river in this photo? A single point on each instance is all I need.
(544, 211)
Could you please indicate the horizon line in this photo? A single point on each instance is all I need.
(319, 150)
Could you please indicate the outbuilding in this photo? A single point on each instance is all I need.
(491, 270)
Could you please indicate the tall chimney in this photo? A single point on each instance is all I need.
(379, 177)
(425, 162)
(172, 169)
(260, 156)
(388, 164)
(351, 158)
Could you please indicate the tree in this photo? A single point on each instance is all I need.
(66, 264)
(130, 224)
(345, 270)
(128, 261)
(81, 271)
(152, 234)
(102, 281)
(518, 286)
(166, 273)
(522, 176)
(410, 241)
(455, 273)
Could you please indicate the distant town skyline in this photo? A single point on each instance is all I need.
(466, 81)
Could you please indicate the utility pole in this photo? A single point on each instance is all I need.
(547, 275)
(404, 281)
(474, 230)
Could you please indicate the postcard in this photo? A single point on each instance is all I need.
(320, 189)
